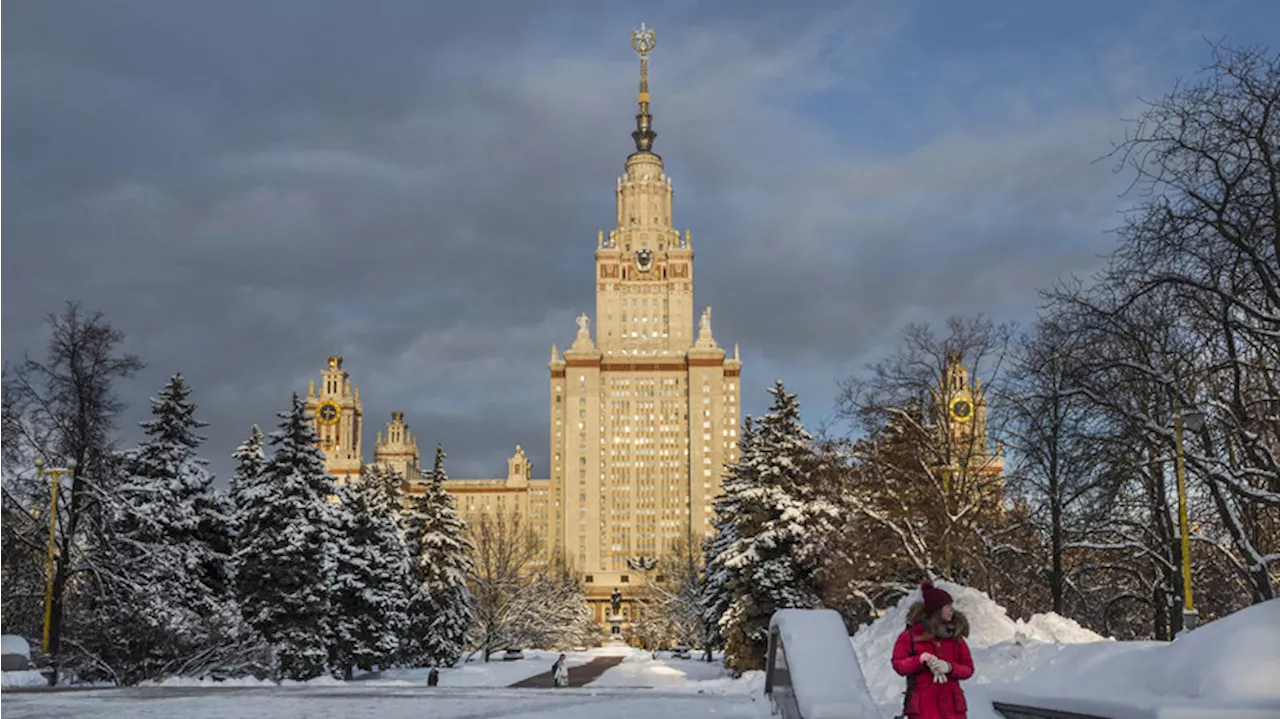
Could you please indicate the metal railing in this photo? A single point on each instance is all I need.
(1022, 711)
(777, 679)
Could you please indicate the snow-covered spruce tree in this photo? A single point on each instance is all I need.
(716, 595)
(282, 567)
(370, 588)
(167, 605)
(770, 563)
(442, 559)
(250, 459)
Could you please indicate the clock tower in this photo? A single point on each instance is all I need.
(961, 416)
(338, 418)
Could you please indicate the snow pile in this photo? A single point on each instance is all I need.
(479, 673)
(1236, 657)
(823, 667)
(1229, 663)
(207, 682)
(23, 678)
(640, 669)
(751, 684)
(14, 644)
(1003, 649)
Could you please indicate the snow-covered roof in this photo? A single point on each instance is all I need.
(825, 674)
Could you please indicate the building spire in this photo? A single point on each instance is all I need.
(642, 41)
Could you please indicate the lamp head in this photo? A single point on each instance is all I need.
(1193, 419)
(71, 464)
(39, 462)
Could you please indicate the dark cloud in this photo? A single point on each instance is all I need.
(245, 188)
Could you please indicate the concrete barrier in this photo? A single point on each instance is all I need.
(811, 671)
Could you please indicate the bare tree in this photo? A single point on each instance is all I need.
(1206, 160)
(925, 475)
(1056, 436)
(21, 528)
(61, 409)
(671, 606)
(520, 601)
(1187, 315)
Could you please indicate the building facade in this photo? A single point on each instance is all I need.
(644, 415)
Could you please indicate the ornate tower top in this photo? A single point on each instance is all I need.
(642, 41)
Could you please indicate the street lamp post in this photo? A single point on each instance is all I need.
(1193, 420)
(54, 473)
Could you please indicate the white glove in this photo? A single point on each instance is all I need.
(939, 667)
(939, 678)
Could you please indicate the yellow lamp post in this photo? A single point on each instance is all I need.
(54, 473)
(1192, 420)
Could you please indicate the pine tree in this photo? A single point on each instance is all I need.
(167, 604)
(283, 570)
(441, 556)
(768, 562)
(372, 583)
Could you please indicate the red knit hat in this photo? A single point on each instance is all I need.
(934, 598)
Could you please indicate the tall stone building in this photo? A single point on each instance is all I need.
(644, 416)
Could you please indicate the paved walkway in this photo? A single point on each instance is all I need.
(578, 676)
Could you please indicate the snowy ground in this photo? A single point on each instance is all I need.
(639, 687)
(1226, 669)
(378, 702)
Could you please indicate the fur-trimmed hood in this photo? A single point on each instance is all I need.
(934, 626)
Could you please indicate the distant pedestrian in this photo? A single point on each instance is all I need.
(433, 677)
(932, 654)
(560, 672)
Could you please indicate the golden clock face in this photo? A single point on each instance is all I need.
(961, 409)
(328, 413)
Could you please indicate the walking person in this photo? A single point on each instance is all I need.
(560, 672)
(932, 654)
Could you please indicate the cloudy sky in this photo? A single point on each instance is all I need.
(247, 187)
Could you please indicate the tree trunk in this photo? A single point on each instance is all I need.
(1160, 615)
(1055, 545)
(56, 615)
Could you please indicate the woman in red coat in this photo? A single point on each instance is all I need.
(934, 657)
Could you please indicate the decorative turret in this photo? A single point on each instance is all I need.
(399, 450)
(643, 41)
(519, 469)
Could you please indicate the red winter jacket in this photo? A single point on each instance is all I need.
(930, 700)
